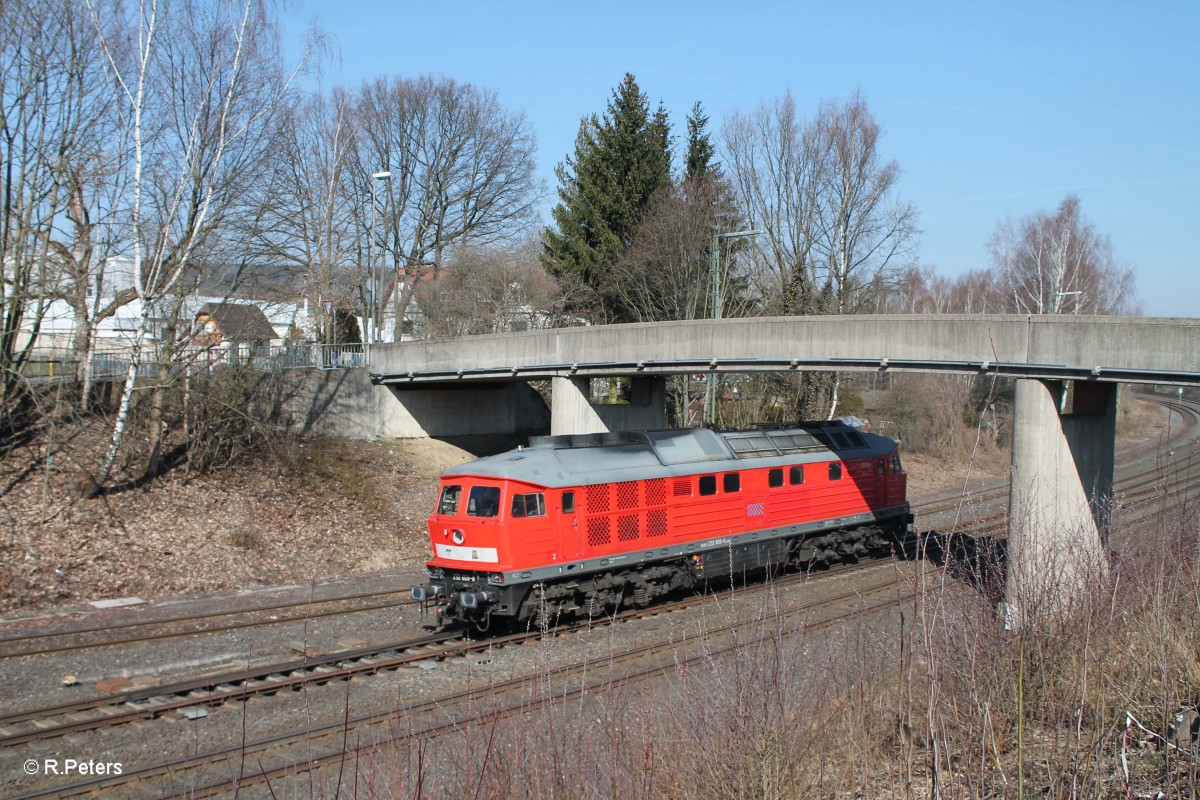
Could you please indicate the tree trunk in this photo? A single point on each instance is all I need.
(84, 349)
(93, 487)
(157, 432)
(833, 401)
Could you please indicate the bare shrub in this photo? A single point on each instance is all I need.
(228, 417)
(1078, 708)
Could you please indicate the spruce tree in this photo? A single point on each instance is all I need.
(698, 162)
(622, 161)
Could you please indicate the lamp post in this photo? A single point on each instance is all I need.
(1058, 300)
(714, 310)
(374, 276)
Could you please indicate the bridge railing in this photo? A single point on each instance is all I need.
(48, 365)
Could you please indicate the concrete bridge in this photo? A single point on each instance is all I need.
(425, 376)
(1065, 416)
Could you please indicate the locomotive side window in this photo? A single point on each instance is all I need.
(708, 484)
(535, 504)
(879, 467)
(775, 478)
(484, 501)
(568, 502)
(731, 482)
(896, 468)
(529, 505)
(835, 471)
(796, 476)
(448, 503)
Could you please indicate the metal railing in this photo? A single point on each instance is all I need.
(45, 366)
(311, 356)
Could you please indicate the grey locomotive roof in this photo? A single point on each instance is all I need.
(558, 461)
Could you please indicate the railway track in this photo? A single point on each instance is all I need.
(1136, 492)
(1135, 489)
(226, 769)
(115, 635)
(182, 698)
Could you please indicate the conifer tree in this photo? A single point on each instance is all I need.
(698, 162)
(622, 161)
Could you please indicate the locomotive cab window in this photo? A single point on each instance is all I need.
(529, 505)
(731, 482)
(708, 484)
(879, 468)
(896, 467)
(835, 471)
(775, 478)
(796, 476)
(484, 501)
(568, 502)
(448, 502)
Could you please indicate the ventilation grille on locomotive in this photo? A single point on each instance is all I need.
(598, 532)
(633, 509)
(627, 495)
(598, 499)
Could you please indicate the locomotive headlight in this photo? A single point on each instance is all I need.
(458, 537)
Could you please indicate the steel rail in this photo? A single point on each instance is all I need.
(125, 626)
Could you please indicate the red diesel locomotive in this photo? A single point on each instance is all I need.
(588, 523)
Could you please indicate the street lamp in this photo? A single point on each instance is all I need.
(375, 277)
(714, 310)
(1058, 296)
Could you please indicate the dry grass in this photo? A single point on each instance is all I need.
(938, 701)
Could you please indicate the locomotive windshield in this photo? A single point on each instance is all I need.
(448, 503)
(484, 501)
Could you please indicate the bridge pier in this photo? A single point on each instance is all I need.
(1061, 496)
(571, 409)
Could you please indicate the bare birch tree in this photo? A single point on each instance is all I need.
(197, 91)
(1059, 263)
(824, 196)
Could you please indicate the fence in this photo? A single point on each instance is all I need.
(45, 366)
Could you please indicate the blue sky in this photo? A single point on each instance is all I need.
(993, 111)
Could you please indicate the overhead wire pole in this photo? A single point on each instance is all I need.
(714, 312)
